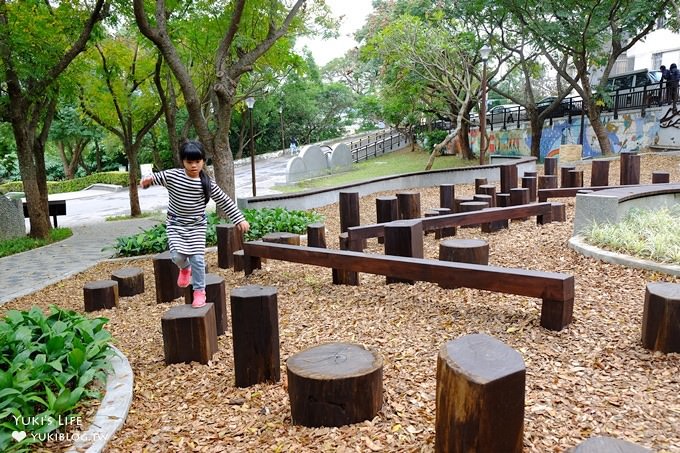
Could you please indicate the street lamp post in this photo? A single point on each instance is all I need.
(484, 52)
(283, 142)
(250, 102)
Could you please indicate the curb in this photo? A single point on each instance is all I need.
(578, 244)
(113, 409)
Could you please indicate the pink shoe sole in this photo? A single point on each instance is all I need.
(184, 277)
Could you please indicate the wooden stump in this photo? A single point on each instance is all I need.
(518, 197)
(489, 189)
(403, 238)
(408, 205)
(575, 178)
(607, 445)
(480, 396)
(446, 231)
(630, 168)
(341, 276)
(255, 327)
(282, 237)
(502, 200)
(550, 166)
(246, 263)
(473, 251)
(559, 212)
(661, 177)
(599, 173)
(547, 182)
(316, 235)
(530, 174)
(564, 174)
(508, 177)
(100, 295)
(661, 317)
(470, 206)
(480, 182)
(130, 281)
(165, 275)
(229, 240)
(530, 182)
(216, 294)
(189, 334)
(334, 384)
(458, 201)
(447, 193)
(386, 211)
(349, 210)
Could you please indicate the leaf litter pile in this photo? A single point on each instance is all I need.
(591, 379)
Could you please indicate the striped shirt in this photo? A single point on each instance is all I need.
(186, 224)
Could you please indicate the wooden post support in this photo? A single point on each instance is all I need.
(564, 174)
(349, 210)
(432, 213)
(100, 295)
(599, 175)
(216, 294)
(508, 177)
(282, 237)
(550, 166)
(607, 445)
(408, 205)
(189, 334)
(444, 232)
(519, 196)
(229, 240)
(480, 396)
(340, 276)
(488, 227)
(255, 327)
(470, 206)
(480, 182)
(661, 177)
(403, 238)
(447, 193)
(473, 251)
(246, 262)
(559, 212)
(334, 384)
(661, 317)
(316, 235)
(575, 178)
(547, 182)
(165, 275)
(386, 211)
(630, 168)
(530, 182)
(130, 281)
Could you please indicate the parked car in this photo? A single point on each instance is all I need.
(572, 105)
(506, 113)
(635, 88)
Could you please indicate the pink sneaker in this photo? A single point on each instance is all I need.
(199, 298)
(184, 277)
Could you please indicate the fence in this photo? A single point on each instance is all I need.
(373, 145)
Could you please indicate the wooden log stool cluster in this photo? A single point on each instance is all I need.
(479, 396)
(661, 317)
(130, 281)
(334, 384)
(100, 295)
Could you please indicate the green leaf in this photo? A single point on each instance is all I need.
(62, 402)
(23, 334)
(56, 364)
(55, 344)
(76, 358)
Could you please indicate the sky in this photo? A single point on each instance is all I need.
(355, 13)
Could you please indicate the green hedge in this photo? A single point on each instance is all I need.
(73, 185)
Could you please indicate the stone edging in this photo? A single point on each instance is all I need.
(578, 244)
(113, 409)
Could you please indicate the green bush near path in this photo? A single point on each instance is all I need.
(73, 185)
(23, 244)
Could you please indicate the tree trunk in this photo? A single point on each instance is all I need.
(98, 152)
(133, 165)
(37, 204)
(536, 133)
(600, 131)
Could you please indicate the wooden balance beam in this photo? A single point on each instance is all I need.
(541, 210)
(555, 289)
(568, 192)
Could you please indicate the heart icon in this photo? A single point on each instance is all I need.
(18, 435)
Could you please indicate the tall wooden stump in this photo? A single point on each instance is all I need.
(518, 197)
(661, 177)
(255, 327)
(100, 295)
(473, 251)
(489, 189)
(480, 182)
(530, 182)
(575, 178)
(216, 294)
(229, 240)
(508, 177)
(599, 175)
(630, 168)
(386, 211)
(403, 238)
(349, 210)
(447, 193)
(189, 334)
(341, 276)
(550, 166)
(334, 384)
(408, 205)
(282, 237)
(316, 235)
(661, 317)
(480, 396)
(547, 182)
(607, 445)
(502, 200)
(457, 202)
(165, 273)
(564, 175)
(130, 281)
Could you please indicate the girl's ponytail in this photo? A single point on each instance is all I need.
(205, 183)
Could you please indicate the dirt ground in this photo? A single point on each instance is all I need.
(591, 379)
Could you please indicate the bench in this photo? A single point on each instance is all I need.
(55, 207)
(555, 289)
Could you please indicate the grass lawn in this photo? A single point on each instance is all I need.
(395, 163)
(18, 245)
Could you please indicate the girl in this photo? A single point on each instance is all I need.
(189, 190)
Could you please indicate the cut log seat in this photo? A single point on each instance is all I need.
(661, 317)
(216, 294)
(334, 384)
(189, 334)
(130, 281)
(607, 445)
(100, 295)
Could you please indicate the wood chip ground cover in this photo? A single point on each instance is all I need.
(593, 378)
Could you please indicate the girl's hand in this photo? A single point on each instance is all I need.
(146, 181)
(243, 227)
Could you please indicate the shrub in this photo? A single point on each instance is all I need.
(49, 365)
(73, 185)
(431, 138)
(18, 245)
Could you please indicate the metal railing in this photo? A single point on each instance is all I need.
(373, 145)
